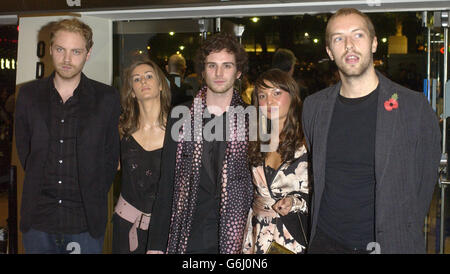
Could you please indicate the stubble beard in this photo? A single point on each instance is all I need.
(359, 70)
(221, 90)
(71, 74)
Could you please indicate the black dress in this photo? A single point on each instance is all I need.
(140, 175)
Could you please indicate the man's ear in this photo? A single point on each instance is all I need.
(374, 44)
(88, 54)
(238, 74)
(329, 53)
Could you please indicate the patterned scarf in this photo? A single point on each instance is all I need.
(236, 183)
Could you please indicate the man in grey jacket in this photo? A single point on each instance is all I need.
(375, 149)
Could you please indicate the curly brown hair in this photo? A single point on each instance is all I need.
(291, 136)
(129, 120)
(219, 42)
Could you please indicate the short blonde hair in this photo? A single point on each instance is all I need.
(73, 25)
(348, 11)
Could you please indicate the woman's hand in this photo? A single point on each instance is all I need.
(283, 206)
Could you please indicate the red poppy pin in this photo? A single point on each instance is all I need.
(392, 103)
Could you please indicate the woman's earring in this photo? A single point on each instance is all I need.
(264, 123)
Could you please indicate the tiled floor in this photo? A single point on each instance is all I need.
(433, 232)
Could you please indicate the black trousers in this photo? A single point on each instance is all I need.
(324, 244)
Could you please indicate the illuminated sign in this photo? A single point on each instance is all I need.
(73, 3)
(6, 63)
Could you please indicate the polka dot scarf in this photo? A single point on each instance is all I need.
(236, 184)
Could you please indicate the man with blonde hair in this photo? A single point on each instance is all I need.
(375, 151)
(176, 67)
(68, 144)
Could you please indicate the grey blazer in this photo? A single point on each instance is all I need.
(407, 155)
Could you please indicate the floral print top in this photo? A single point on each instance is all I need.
(264, 225)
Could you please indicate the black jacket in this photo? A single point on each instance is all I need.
(97, 146)
(178, 94)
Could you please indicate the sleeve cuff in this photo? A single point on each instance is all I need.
(298, 204)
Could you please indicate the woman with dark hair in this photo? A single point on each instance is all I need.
(145, 99)
(279, 168)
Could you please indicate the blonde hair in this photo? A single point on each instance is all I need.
(73, 25)
(348, 11)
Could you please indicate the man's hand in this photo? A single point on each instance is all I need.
(284, 205)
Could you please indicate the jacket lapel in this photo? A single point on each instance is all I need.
(43, 101)
(324, 115)
(386, 122)
(87, 105)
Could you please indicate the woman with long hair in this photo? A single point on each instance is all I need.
(279, 168)
(145, 99)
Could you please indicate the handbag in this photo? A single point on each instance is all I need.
(276, 248)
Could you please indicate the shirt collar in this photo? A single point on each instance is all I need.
(76, 92)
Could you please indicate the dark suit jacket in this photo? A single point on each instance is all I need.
(178, 94)
(162, 208)
(407, 154)
(97, 146)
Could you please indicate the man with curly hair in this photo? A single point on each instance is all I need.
(205, 191)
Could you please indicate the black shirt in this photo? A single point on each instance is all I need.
(140, 173)
(204, 236)
(60, 207)
(347, 206)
